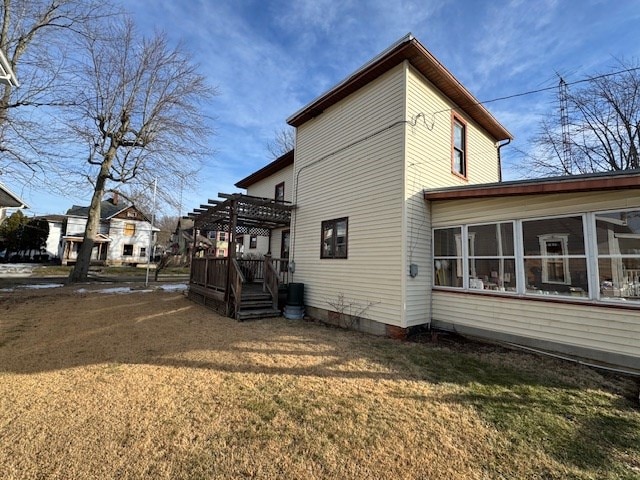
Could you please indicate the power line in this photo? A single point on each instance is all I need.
(544, 89)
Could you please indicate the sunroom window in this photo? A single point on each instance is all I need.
(448, 257)
(492, 263)
(618, 238)
(555, 262)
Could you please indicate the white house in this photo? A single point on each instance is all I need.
(398, 208)
(125, 234)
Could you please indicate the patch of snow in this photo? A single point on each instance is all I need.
(174, 287)
(44, 285)
(6, 289)
(115, 290)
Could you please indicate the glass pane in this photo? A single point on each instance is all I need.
(448, 273)
(327, 240)
(491, 240)
(618, 233)
(619, 278)
(492, 274)
(557, 276)
(457, 161)
(568, 231)
(458, 136)
(444, 242)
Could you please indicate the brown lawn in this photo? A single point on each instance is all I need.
(153, 386)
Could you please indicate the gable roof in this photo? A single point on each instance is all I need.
(407, 48)
(108, 210)
(273, 167)
(10, 199)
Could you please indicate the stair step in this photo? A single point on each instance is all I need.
(256, 304)
(258, 313)
(255, 296)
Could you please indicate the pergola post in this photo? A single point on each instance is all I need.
(231, 250)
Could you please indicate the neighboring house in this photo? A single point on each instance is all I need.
(9, 200)
(124, 237)
(399, 210)
(53, 248)
(182, 241)
(220, 241)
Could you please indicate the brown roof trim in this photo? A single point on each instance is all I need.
(582, 183)
(275, 166)
(408, 48)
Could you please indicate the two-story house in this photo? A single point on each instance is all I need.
(399, 211)
(125, 235)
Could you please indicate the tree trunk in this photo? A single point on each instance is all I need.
(81, 269)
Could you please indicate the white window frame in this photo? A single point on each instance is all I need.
(597, 256)
(471, 256)
(563, 240)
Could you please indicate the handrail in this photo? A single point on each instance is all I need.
(271, 280)
(236, 281)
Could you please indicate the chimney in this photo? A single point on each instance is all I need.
(115, 198)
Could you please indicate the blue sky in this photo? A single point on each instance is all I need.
(270, 58)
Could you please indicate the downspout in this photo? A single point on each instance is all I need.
(500, 145)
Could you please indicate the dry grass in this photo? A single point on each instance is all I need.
(150, 385)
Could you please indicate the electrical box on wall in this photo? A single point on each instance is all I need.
(413, 270)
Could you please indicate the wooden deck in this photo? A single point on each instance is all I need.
(240, 289)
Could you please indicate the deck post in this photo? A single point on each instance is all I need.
(231, 250)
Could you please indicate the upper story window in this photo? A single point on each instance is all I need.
(334, 238)
(279, 193)
(129, 229)
(459, 147)
(253, 241)
(222, 236)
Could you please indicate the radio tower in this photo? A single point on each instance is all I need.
(564, 123)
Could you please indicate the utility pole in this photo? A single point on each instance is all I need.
(153, 221)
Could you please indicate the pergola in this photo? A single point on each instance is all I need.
(237, 213)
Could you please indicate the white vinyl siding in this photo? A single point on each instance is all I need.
(586, 326)
(266, 188)
(346, 172)
(428, 165)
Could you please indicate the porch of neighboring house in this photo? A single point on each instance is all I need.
(240, 288)
(71, 246)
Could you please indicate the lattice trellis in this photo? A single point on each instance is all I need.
(253, 215)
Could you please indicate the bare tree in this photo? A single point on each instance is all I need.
(140, 114)
(35, 35)
(603, 128)
(284, 140)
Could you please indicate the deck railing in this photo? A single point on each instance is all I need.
(237, 279)
(210, 272)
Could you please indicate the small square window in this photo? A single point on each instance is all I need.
(127, 250)
(334, 238)
(143, 252)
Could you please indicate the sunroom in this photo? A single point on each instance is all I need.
(552, 263)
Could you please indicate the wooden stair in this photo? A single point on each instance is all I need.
(255, 303)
